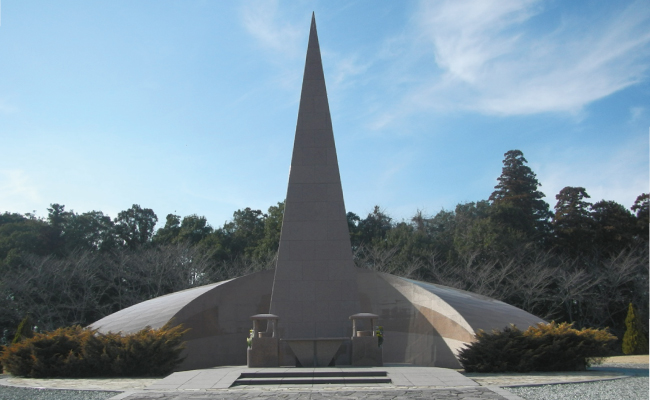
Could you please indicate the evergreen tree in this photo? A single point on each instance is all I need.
(441, 229)
(193, 229)
(572, 222)
(240, 236)
(374, 227)
(519, 204)
(91, 231)
(353, 228)
(473, 228)
(614, 227)
(57, 218)
(633, 341)
(21, 235)
(270, 242)
(642, 209)
(135, 226)
(168, 233)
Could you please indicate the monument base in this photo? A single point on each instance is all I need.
(263, 353)
(366, 352)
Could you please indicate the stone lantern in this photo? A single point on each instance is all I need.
(264, 347)
(365, 343)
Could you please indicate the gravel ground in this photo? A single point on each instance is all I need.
(628, 388)
(16, 393)
(632, 388)
(621, 365)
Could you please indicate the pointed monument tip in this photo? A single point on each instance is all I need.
(312, 28)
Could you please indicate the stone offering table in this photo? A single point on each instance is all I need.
(315, 352)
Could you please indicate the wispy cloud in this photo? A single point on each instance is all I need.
(17, 190)
(347, 68)
(274, 30)
(495, 60)
(467, 36)
(636, 113)
(621, 175)
(261, 20)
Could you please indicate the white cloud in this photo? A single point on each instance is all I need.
(346, 68)
(467, 35)
(17, 192)
(493, 62)
(636, 113)
(620, 175)
(260, 18)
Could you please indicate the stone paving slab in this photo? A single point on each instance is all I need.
(79, 384)
(225, 377)
(473, 393)
(408, 383)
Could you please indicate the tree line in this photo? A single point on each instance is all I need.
(579, 262)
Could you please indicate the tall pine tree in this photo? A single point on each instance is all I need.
(518, 204)
(642, 209)
(573, 224)
(614, 225)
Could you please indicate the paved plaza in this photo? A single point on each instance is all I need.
(407, 382)
(442, 394)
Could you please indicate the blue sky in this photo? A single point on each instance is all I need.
(189, 107)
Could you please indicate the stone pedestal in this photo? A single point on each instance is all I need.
(366, 352)
(263, 353)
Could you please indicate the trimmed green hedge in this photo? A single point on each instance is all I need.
(84, 352)
(543, 347)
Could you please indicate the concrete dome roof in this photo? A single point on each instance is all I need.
(424, 323)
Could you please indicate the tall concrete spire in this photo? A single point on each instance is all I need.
(315, 289)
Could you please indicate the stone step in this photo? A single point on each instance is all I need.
(311, 373)
(311, 380)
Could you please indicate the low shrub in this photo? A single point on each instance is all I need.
(543, 347)
(84, 352)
